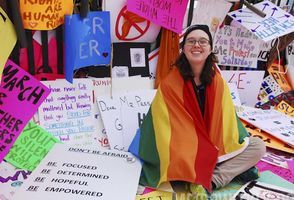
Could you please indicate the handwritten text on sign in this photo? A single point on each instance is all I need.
(20, 96)
(44, 14)
(68, 109)
(276, 23)
(167, 13)
(236, 47)
(30, 147)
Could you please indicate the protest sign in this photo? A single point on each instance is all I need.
(247, 82)
(11, 178)
(271, 121)
(168, 14)
(278, 73)
(30, 147)
(156, 195)
(258, 190)
(68, 110)
(87, 41)
(276, 23)
(202, 13)
(7, 39)
(122, 114)
(66, 173)
(127, 26)
(20, 96)
(236, 46)
(269, 90)
(234, 94)
(44, 15)
(285, 108)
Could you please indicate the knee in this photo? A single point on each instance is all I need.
(259, 147)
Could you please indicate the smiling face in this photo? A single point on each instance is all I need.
(197, 53)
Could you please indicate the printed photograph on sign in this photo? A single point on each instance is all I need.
(137, 57)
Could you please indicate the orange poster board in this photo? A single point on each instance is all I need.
(44, 14)
(269, 140)
(278, 72)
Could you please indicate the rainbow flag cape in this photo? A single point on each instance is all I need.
(176, 143)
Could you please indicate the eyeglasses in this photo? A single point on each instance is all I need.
(202, 42)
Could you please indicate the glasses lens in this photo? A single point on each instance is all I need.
(203, 42)
(190, 42)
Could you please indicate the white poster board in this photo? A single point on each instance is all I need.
(122, 113)
(236, 46)
(11, 178)
(259, 190)
(248, 84)
(273, 122)
(234, 94)
(80, 173)
(276, 23)
(206, 13)
(68, 110)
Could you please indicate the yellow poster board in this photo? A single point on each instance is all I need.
(7, 39)
(285, 108)
(269, 140)
(44, 14)
(156, 195)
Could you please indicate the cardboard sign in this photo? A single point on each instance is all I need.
(236, 46)
(271, 121)
(7, 39)
(127, 26)
(202, 13)
(285, 108)
(44, 15)
(30, 147)
(265, 48)
(87, 41)
(248, 84)
(11, 178)
(258, 190)
(276, 23)
(20, 96)
(77, 173)
(169, 14)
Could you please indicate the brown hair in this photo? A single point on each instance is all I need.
(184, 66)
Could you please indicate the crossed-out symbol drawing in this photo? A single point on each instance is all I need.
(126, 21)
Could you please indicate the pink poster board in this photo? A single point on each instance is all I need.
(20, 96)
(168, 13)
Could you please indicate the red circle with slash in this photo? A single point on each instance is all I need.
(122, 14)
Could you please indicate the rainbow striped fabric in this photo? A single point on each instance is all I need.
(176, 143)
